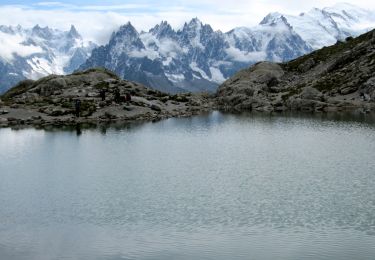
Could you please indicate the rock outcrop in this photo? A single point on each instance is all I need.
(51, 101)
(335, 78)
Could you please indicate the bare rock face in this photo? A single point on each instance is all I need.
(368, 89)
(334, 78)
(48, 88)
(248, 89)
(311, 93)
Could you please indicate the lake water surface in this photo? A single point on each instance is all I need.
(216, 186)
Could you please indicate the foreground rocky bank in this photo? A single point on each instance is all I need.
(102, 95)
(336, 78)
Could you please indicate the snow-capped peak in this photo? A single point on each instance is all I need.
(126, 40)
(128, 28)
(343, 6)
(351, 18)
(271, 18)
(323, 27)
(42, 32)
(195, 22)
(276, 21)
(73, 33)
(162, 30)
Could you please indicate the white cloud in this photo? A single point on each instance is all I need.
(11, 45)
(166, 47)
(241, 56)
(112, 7)
(170, 48)
(217, 76)
(151, 54)
(54, 4)
(96, 26)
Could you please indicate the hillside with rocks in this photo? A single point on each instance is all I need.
(336, 78)
(52, 101)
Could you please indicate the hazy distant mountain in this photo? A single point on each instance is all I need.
(197, 58)
(37, 52)
(323, 27)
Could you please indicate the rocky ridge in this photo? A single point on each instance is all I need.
(51, 101)
(336, 78)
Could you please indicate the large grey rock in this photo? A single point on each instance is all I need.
(248, 85)
(156, 108)
(48, 87)
(307, 65)
(310, 93)
(369, 88)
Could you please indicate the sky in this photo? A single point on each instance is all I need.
(96, 20)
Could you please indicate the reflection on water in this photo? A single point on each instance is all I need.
(216, 186)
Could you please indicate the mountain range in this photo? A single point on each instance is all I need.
(197, 58)
(38, 52)
(192, 58)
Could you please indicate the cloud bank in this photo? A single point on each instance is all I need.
(11, 45)
(97, 22)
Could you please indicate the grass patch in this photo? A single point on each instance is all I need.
(101, 85)
(326, 84)
(87, 108)
(292, 91)
(98, 69)
(18, 89)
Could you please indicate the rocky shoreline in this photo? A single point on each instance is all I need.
(18, 118)
(51, 101)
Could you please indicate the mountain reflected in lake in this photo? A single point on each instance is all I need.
(216, 186)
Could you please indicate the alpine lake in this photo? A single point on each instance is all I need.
(216, 186)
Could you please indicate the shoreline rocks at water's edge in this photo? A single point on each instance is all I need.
(51, 100)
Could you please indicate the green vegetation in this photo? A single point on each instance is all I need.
(88, 107)
(67, 104)
(156, 93)
(179, 98)
(327, 84)
(101, 85)
(327, 52)
(292, 91)
(99, 69)
(20, 88)
(45, 79)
